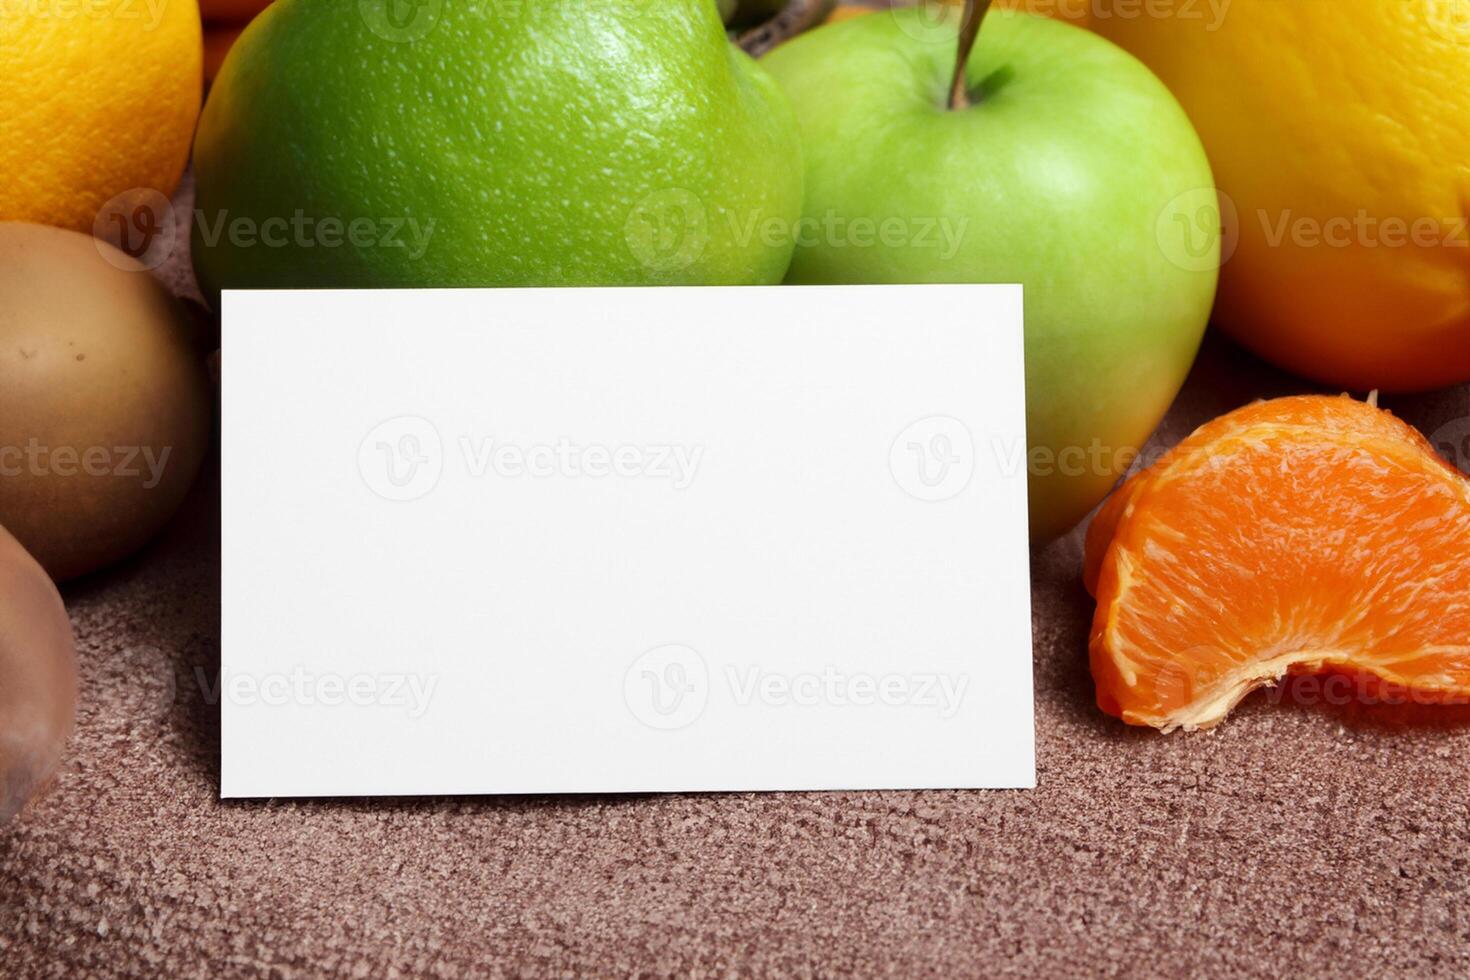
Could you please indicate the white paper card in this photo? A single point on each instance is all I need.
(624, 540)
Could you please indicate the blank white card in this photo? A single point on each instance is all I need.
(624, 540)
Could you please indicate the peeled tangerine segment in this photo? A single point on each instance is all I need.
(1307, 534)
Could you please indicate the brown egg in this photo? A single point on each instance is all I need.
(104, 400)
(38, 677)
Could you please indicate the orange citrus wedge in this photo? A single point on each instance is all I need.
(1301, 535)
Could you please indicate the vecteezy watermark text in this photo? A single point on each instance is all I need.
(1201, 229)
(937, 22)
(300, 687)
(302, 230)
(940, 235)
(1363, 230)
(676, 464)
(943, 693)
(147, 12)
(1209, 14)
(669, 687)
(143, 224)
(404, 458)
(35, 458)
(670, 229)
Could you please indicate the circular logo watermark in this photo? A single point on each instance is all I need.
(668, 230)
(1198, 230)
(1180, 678)
(139, 222)
(928, 21)
(667, 688)
(400, 21)
(933, 459)
(402, 459)
(1452, 442)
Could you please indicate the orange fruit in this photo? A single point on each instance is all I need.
(94, 103)
(1301, 535)
(1339, 132)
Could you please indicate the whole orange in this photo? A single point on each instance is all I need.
(97, 99)
(1339, 132)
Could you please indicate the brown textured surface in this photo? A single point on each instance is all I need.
(1291, 839)
(1313, 840)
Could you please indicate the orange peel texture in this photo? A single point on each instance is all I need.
(1301, 535)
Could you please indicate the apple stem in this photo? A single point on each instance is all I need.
(959, 89)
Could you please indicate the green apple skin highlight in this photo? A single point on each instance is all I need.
(533, 143)
(1068, 173)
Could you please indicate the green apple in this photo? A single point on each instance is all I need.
(511, 142)
(1063, 164)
